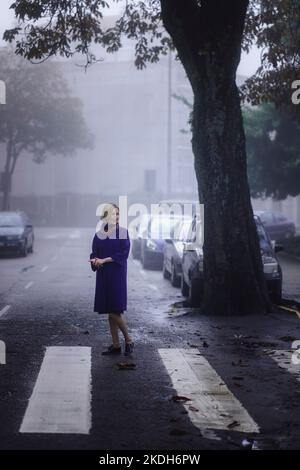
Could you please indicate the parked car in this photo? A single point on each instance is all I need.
(141, 230)
(277, 225)
(16, 232)
(173, 252)
(184, 204)
(192, 265)
(160, 227)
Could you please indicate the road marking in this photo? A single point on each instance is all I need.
(61, 398)
(75, 234)
(28, 285)
(284, 359)
(51, 236)
(44, 269)
(152, 286)
(4, 310)
(212, 405)
(143, 272)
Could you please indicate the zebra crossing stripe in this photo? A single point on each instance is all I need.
(212, 405)
(75, 234)
(4, 310)
(61, 398)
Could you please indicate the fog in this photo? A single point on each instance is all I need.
(140, 134)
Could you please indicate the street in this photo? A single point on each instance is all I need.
(199, 382)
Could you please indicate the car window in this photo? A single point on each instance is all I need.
(191, 237)
(264, 241)
(184, 230)
(279, 218)
(10, 220)
(163, 227)
(266, 217)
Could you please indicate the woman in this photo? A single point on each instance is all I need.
(110, 250)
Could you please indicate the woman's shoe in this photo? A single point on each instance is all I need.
(129, 348)
(111, 350)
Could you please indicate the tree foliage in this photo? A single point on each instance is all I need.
(274, 27)
(273, 150)
(66, 27)
(41, 116)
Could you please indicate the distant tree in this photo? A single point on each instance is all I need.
(208, 36)
(273, 150)
(40, 117)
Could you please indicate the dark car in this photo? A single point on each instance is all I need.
(173, 254)
(277, 225)
(16, 232)
(140, 230)
(160, 227)
(192, 265)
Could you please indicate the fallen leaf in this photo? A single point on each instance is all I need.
(180, 398)
(193, 408)
(126, 365)
(233, 424)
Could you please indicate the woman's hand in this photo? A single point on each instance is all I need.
(96, 262)
(99, 262)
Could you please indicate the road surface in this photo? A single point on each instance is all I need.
(199, 382)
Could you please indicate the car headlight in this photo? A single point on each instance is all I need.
(151, 245)
(270, 265)
(266, 259)
(199, 252)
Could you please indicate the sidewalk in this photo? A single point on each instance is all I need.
(291, 276)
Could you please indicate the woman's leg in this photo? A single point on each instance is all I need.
(114, 330)
(120, 321)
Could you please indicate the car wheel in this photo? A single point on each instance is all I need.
(195, 293)
(30, 250)
(166, 273)
(145, 261)
(289, 235)
(135, 254)
(175, 280)
(184, 287)
(24, 250)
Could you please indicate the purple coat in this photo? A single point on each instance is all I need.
(111, 278)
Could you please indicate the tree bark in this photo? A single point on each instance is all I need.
(207, 35)
(11, 159)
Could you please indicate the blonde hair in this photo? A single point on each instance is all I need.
(108, 208)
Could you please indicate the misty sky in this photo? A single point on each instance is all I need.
(248, 65)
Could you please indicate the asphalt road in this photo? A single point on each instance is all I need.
(236, 375)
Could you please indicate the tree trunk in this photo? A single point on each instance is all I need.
(7, 178)
(207, 36)
(11, 159)
(6, 193)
